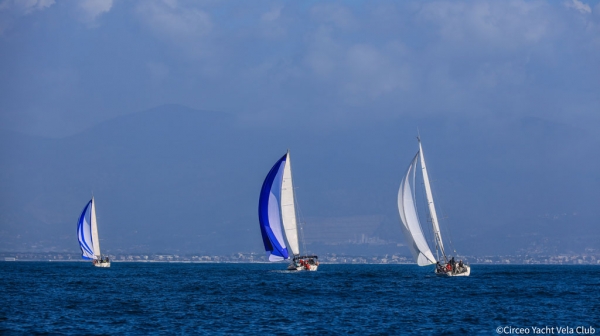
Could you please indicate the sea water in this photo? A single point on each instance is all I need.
(259, 299)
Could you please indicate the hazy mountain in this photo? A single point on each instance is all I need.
(173, 179)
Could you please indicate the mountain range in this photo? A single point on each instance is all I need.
(178, 180)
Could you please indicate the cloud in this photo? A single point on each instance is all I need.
(25, 6)
(92, 9)
(172, 21)
(338, 15)
(272, 14)
(578, 5)
(507, 24)
(327, 58)
(371, 73)
(12, 10)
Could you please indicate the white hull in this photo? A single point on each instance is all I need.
(102, 264)
(310, 268)
(293, 267)
(466, 272)
(301, 268)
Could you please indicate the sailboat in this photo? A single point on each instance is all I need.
(412, 228)
(277, 217)
(87, 234)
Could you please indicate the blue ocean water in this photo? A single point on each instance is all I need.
(232, 299)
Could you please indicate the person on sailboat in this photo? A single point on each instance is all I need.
(439, 267)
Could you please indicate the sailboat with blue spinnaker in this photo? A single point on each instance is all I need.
(87, 234)
(278, 220)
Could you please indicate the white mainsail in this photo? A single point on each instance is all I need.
(434, 220)
(408, 214)
(288, 208)
(94, 227)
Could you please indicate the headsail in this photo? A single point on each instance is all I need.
(94, 226)
(269, 213)
(408, 213)
(84, 232)
(288, 207)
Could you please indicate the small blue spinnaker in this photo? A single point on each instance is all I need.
(84, 232)
(269, 213)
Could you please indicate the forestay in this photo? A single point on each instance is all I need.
(408, 213)
(431, 205)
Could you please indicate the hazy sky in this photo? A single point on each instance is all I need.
(66, 65)
(507, 93)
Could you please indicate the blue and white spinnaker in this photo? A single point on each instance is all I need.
(87, 233)
(269, 214)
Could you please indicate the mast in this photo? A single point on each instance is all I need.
(288, 207)
(94, 227)
(434, 219)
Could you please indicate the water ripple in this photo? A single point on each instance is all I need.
(237, 299)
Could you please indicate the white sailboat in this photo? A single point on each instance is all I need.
(277, 217)
(412, 229)
(87, 234)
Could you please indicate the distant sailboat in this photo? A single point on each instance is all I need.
(412, 227)
(87, 234)
(277, 216)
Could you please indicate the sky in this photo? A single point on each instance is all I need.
(330, 66)
(67, 65)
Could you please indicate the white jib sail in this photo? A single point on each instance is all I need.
(94, 225)
(434, 219)
(288, 208)
(408, 214)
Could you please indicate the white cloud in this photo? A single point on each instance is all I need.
(183, 26)
(578, 5)
(91, 9)
(272, 25)
(272, 14)
(500, 24)
(24, 7)
(169, 19)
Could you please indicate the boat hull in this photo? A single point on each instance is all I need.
(465, 272)
(102, 264)
(303, 267)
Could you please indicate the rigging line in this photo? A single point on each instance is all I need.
(438, 236)
(299, 222)
(428, 215)
(446, 218)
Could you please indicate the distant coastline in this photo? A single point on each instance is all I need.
(560, 259)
